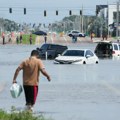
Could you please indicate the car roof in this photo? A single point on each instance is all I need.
(53, 44)
(107, 42)
(79, 49)
(103, 41)
(75, 30)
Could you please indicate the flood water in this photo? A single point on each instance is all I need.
(76, 92)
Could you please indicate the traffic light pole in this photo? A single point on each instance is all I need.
(82, 20)
(117, 25)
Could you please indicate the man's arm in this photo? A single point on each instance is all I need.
(45, 74)
(16, 74)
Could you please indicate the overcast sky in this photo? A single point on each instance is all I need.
(35, 9)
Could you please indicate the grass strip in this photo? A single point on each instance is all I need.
(24, 115)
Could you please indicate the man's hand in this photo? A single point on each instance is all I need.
(16, 74)
(45, 74)
(14, 81)
(49, 79)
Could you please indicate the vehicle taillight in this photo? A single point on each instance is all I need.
(113, 52)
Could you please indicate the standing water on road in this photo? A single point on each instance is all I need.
(76, 92)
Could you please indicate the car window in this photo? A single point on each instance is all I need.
(103, 46)
(74, 53)
(53, 47)
(61, 48)
(111, 47)
(75, 32)
(115, 46)
(119, 47)
(88, 52)
(44, 47)
(100, 46)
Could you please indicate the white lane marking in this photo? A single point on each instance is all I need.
(52, 40)
(111, 87)
(79, 39)
(2, 86)
(37, 41)
(65, 39)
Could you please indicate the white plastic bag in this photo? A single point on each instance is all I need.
(16, 90)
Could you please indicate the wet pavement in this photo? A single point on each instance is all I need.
(76, 92)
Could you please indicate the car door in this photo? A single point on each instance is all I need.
(116, 50)
(76, 33)
(42, 50)
(51, 51)
(89, 57)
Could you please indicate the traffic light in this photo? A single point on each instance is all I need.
(70, 12)
(45, 13)
(56, 12)
(33, 25)
(39, 24)
(44, 25)
(97, 11)
(24, 11)
(10, 10)
(80, 12)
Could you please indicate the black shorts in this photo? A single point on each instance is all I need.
(30, 94)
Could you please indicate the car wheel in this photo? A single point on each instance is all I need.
(70, 35)
(80, 35)
(96, 62)
(38, 49)
(84, 62)
(50, 57)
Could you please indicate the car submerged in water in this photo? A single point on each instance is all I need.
(77, 56)
(50, 51)
(107, 49)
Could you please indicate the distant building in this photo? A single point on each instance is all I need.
(109, 15)
(108, 12)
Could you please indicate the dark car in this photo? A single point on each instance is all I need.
(107, 49)
(51, 51)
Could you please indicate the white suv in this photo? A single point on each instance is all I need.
(107, 49)
(76, 33)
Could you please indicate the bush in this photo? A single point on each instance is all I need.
(25, 115)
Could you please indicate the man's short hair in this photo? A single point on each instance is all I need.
(34, 53)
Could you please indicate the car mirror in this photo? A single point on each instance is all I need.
(38, 49)
(59, 55)
(87, 56)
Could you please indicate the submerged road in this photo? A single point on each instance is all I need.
(76, 92)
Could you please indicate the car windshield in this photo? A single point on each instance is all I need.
(75, 32)
(74, 53)
(115, 47)
(44, 47)
(119, 47)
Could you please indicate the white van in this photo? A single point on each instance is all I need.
(107, 49)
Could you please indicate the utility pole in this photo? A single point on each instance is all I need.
(107, 18)
(117, 21)
(81, 20)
